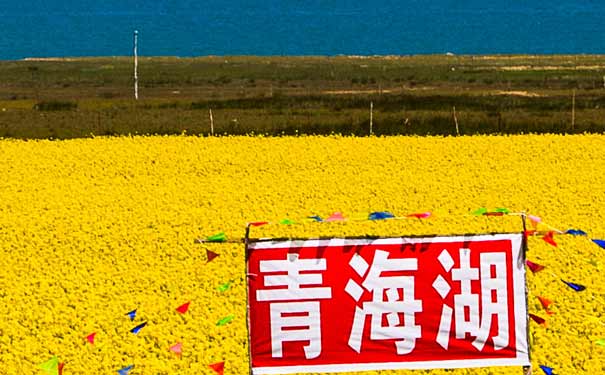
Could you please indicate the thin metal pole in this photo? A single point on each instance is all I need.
(527, 370)
(246, 257)
(136, 65)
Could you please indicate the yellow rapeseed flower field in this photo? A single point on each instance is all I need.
(91, 229)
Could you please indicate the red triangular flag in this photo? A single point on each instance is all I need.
(545, 302)
(60, 368)
(258, 223)
(534, 267)
(177, 348)
(210, 255)
(218, 367)
(420, 215)
(538, 320)
(549, 238)
(91, 338)
(183, 308)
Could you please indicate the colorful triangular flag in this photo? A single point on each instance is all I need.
(218, 237)
(136, 329)
(534, 267)
(225, 320)
(545, 303)
(549, 238)
(91, 338)
(315, 218)
(177, 348)
(287, 222)
(420, 215)
(600, 342)
(132, 314)
(183, 308)
(576, 287)
(51, 366)
(125, 370)
(218, 367)
(336, 216)
(224, 287)
(529, 233)
(576, 232)
(210, 255)
(380, 215)
(601, 243)
(547, 370)
(534, 220)
(537, 319)
(479, 212)
(258, 223)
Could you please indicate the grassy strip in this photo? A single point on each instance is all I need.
(302, 95)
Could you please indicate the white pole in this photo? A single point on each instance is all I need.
(136, 64)
(371, 115)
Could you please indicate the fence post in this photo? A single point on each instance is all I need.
(211, 122)
(573, 110)
(371, 117)
(456, 122)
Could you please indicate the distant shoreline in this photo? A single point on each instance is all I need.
(360, 57)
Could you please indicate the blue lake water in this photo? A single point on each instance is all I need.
(52, 28)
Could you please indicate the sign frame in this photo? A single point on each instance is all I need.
(519, 247)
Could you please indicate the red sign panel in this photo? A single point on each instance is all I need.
(393, 303)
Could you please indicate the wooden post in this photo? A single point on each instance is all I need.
(456, 121)
(573, 110)
(371, 117)
(211, 122)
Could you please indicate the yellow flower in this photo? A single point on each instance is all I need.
(93, 228)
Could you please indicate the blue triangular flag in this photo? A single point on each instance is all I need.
(547, 370)
(575, 232)
(601, 243)
(316, 218)
(576, 287)
(132, 314)
(381, 215)
(136, 329)
(125, 370)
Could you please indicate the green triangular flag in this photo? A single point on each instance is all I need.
(225, 320)
(479, 212)
(51, 366)
(503, 210)
(219, 237)
(600, 342)
(224, 287)
(287, 222)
